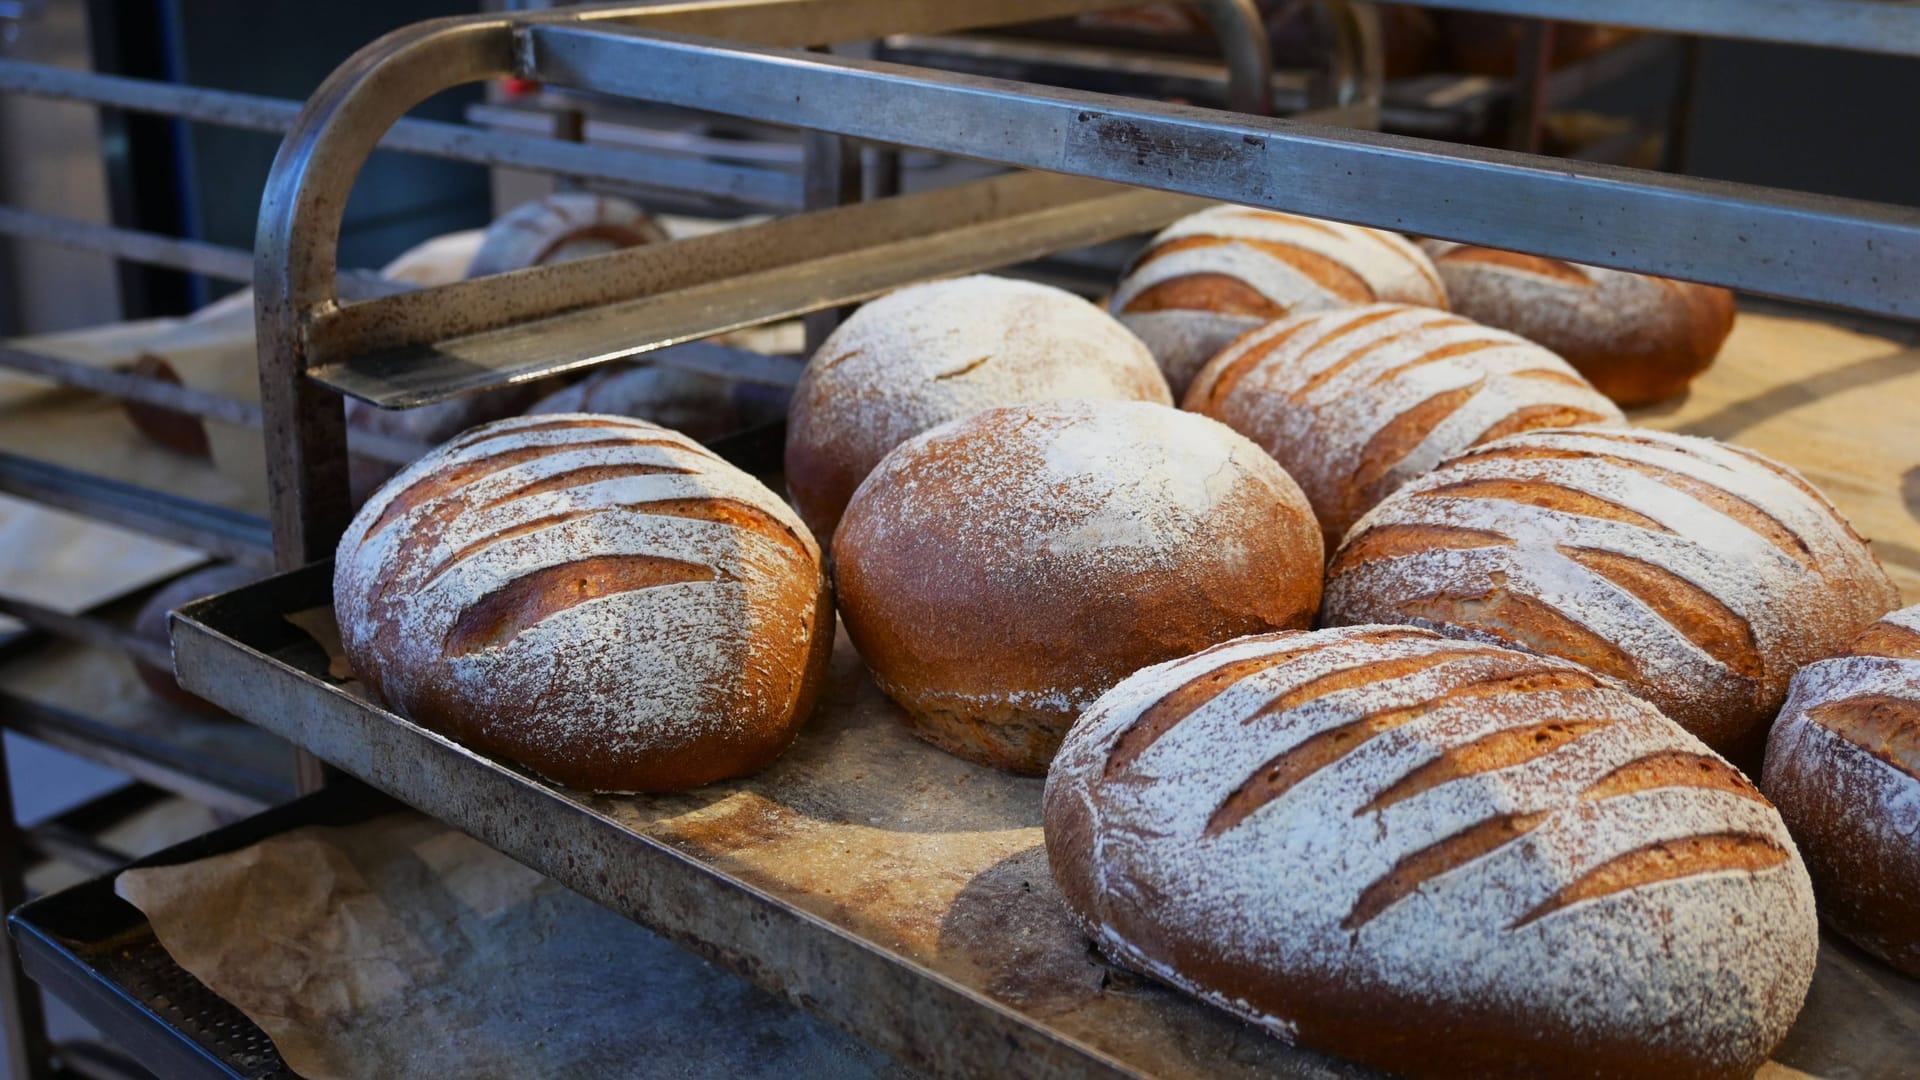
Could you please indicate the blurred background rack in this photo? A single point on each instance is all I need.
(613, 101)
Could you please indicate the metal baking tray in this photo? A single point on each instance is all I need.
(868, 877)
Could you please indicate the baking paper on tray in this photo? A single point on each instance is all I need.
(399, 947)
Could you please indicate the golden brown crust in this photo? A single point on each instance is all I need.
(1843, 764)
(1637, 339)
(598, 599)
(999, 572)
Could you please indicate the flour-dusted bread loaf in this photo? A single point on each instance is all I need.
(597, 598)
(559, 228)
(1441, 858)
(999, 572)
(1696, 574)
(1843, 764)
(1637, 338)
(430, 425)
(1212, 276)
(930, 353)
(1354, 403)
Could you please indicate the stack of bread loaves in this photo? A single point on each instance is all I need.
(1490, 819)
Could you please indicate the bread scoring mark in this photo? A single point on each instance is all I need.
(1695, 613)
(962, 369)
(1215, 293)
(1489, 753)
(1413, 257)
(1329, 274)
(1526, 623)
(1667, 860)
(1434, 356)
(1353, 356)
(832, 362)
(1234, 370)
(1395, 439)
(1550, 375)
(501, 615)
(1672, 769)
(1545, 494)
(1530, 417)
(567, 479)
(1307, 223)
(1812, 493)
(1887, 639)
(1184, 700)
(439, 483)
(1287, 769)
(1364, 673)
(1418, 868)
(1886, 726)
(726, 511)
(1395, 541)
(1187, 698)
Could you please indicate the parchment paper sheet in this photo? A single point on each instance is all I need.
(399, 947)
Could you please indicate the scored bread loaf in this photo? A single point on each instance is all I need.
(1354, 403)
(559, 228)
(1212, 276)
(1437, 857)
(926, 354)
(1637, 338)
(1843, 765)
(1695, 574)
(694, 403)
(999, 572)
(599, 599)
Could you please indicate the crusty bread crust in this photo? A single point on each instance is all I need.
(559, 228)
(926, 354)
(1696, 574)
(1214, 275)
(1437, 857)
(597, 598)
(1843, 763)
(999, 572)
(1638, 339)
(1353, 403)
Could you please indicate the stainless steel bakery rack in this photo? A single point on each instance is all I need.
(857, 874)
(940, 997)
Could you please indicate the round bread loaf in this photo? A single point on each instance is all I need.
(1440, 858)
(599, 599)
(999, 572)
(1212, 276)
(559, 228)
(1355, 403)
(1695, 574)
(150, 624)
(1638, 339)
(930, 353)
(429, 425)
(1843, 764)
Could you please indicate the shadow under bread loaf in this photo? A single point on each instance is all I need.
(597, 598)
(1440, 858)
(1637, 338)
(1353, 403)
(926, 354)
(1843, 764)
(1212, 276)
(999, 572)
(1696, 574)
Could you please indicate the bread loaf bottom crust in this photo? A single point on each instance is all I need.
(1018, 740)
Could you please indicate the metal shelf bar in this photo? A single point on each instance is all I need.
(182, 771)
(1875, 26)
(216, 530)
(417, 348)
(88, 630)
(1843, 252)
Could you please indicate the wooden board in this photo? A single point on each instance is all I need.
(1840, 406)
